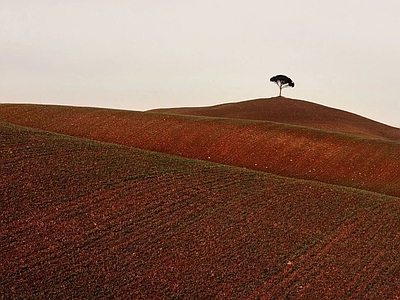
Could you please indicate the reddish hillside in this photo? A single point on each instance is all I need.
(85, 220)
(291, 151)
(296, 112)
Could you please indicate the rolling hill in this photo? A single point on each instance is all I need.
(83, 219)
(293, 151)
(295, 112)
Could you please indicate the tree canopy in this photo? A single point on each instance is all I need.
(282, 81)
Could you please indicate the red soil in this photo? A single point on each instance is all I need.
(296, 112)
(306, 277)
(299, 152)
(85, 220)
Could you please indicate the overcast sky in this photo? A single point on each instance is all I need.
(143, 54)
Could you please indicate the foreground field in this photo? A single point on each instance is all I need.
(81, 219)
(287, 150)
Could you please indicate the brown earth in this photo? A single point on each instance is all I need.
(295, 112)
(287, 150)
(87, 220)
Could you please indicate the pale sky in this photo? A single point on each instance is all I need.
(144, 54)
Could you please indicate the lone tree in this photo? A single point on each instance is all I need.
(282, 81)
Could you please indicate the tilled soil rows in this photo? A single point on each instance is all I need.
(291, 151)
(82, 219)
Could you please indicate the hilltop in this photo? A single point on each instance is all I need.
(295, 112)
(83, 219)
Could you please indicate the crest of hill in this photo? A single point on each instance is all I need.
(296, 112)
(88, 220)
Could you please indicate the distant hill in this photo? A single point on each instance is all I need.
(81, 219)
(277, 148)
(296, 112)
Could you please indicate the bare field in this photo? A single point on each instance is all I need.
(295, 112)
(287, 150)
(82, 219)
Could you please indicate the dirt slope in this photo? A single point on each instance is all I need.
(296, 112)
(291, 151)
(84, 220)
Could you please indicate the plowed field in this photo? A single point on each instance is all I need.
(295, 112)
(287, 150)
(81, 219)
